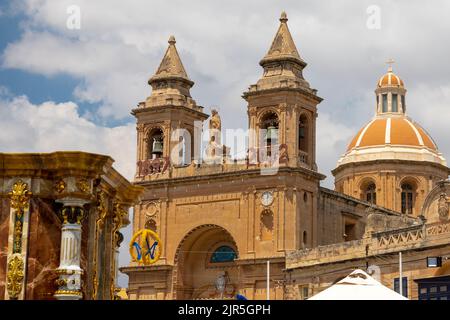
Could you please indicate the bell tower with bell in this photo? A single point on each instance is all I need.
(282, 107)
(169, 120)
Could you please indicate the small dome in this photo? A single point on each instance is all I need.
(392, 131)
(390, 79)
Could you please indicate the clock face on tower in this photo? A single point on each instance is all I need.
(267, 198)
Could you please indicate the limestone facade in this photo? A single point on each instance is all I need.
(311, 270)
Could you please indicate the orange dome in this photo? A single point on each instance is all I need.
(399, 131)
(390, 79)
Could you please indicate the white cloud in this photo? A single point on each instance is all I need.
(332, 140)
(430, 107)
(54, 127)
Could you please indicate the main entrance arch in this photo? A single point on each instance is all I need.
(204, 264)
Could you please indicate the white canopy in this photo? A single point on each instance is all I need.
(358, 285)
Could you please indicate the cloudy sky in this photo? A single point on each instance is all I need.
(72, 89)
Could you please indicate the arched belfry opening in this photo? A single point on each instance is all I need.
(303, 138)
(185, 148)
(155, 143)
(205, 264)
(269, 129)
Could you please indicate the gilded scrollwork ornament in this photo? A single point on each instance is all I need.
(101, 216)
(60, 186)
(20, 197)
(83, 185)
(118, 215)
(72, 214)
(15, 276)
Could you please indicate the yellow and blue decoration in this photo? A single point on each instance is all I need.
(145, 247)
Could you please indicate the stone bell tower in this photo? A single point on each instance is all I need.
(282, 106)
(169, 107)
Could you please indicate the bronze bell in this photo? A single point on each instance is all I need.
(157, 146)
(272, 133)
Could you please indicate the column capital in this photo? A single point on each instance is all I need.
(72, 202)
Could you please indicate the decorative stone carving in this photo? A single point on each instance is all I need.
(443, 207)
(151, 209)
(392, 239)
(215, 122)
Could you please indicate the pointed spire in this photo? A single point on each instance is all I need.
(283, 46)
(171, 66)
(171, 84)
(282, 64)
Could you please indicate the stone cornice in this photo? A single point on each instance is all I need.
(414, 238)
(158, 109)
(53, 164)
(64, 164)
(388, 161)
(226, 175)
(278, 90)
(151, 268)
(337, 195)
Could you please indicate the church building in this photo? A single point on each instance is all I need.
(220, 223)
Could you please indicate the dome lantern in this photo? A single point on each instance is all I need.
(390, 93)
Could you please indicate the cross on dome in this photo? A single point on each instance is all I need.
(390, 62)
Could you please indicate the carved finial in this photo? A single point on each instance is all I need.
(172, 40)
(283, 17)
(390, 62)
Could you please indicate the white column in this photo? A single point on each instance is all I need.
(69, 270)
(268, 280)
(400, 266)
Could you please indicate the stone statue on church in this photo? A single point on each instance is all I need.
(215, 151)
(215, 127)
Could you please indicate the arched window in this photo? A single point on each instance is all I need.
(407, 198)
(370, 193)
(182, 151)
(155, 143)
(223, 254)
(303, 133)
(269, 136)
